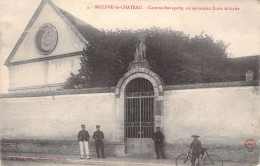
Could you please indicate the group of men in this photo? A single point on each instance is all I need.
(158, 137)
(83, 138)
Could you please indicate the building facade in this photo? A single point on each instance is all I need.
(50, 46)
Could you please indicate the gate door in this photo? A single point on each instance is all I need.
(139, 116)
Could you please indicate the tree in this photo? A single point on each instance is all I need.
(175, 56)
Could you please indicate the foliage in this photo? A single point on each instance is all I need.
(176, 57)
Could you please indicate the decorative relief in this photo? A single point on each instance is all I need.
(46, 38)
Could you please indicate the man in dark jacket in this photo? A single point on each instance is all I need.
(195, 146)
(99, 136)
(83, 138)
(158, 143)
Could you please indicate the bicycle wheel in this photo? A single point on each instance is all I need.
(183, 160)
(213, 160)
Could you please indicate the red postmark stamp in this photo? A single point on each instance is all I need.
(250, 144)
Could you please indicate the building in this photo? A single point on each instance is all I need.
(37, 116)
(51, 44)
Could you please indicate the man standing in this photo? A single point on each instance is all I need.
(99, 136)
(158, 143)
(195, 146)
(83, 138)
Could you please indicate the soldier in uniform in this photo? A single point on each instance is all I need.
(195, 146)
(83, 138)
(98, 137)
(158, 143)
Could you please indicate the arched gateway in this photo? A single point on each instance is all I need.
(139, 115)
(139, 103)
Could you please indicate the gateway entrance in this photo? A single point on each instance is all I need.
(139, 116)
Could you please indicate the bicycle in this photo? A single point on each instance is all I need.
(185, 159)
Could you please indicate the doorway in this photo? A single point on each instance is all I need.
(139, 116)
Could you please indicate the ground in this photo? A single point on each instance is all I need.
(32, 163)
(29, 159)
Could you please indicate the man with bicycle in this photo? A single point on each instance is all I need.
(195, 147)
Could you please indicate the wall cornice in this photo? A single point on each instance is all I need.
(212, 85)
(46, 58)
(113, 89)
(58, 92)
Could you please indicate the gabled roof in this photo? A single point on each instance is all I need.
(86, 30)
(83, 31)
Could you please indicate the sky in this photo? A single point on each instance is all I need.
(238, 28)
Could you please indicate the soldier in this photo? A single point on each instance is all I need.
(195, 146)
(83, 138)
(158, 143)
(99, 136)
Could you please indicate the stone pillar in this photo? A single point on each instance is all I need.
(119, 126)
(158, 112)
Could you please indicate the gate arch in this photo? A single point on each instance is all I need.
(120, 95)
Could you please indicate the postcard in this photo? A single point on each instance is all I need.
(130, 82)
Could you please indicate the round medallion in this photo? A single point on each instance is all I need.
(46, 38)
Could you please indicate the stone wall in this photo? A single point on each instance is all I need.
(51, 147)
(227, 153)
(218, 115)
(223, 117)
(57, 117)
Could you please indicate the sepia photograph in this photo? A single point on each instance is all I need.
(128, 82)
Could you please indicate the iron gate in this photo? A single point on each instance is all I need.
(139, 109)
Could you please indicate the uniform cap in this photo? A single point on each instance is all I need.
(195, 135)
